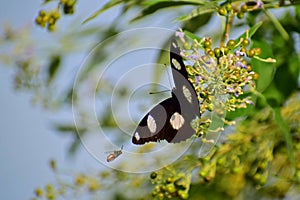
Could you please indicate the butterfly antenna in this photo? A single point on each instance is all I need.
(169, 79)
(159, 92)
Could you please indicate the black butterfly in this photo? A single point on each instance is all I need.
(170, 120)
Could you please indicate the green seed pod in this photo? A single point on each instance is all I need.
(169, 180)
(210, 107)
(203, 173)
(39, 192)
(162, 188)
(243, 49)
(70, 3)
(180, 184)
(245, 42)
(42, 13)
(154, 193)
(38, 20)
(49, 188)
(51, 21)
(171, 188)
(263, 180)
(222, 11)
(230, 44)
(249, 68)
(244, 8)
(217, 52)
(53, 164)
(255, 76)
(257, 51)
(240, 15)
(236, 170)
(157, 188)
(221, 161)
(183, 194)
(153, 175)
(225, 50)
(51, 196)
(51, 27)
(211, 53)
(203, 95)
(55, 14)
(69, 7)
(257, 177)
(250, 53)
(228, 7)
(160, 196)
(263, 165)
(207, 44)
(46, 18)
(80, 179)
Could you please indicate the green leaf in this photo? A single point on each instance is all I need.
(277, 25)
(196, 23)
(192, 36)
(250, 33)
(74, 146)
(286, 133)
(273, 96)
(107, 6)
(286, 77)
(265, 70)
(297, 12)
(53, 67)
(164, 4)
(69, 128)
(201, 10)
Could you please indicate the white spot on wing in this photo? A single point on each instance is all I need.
(187, 93)
(176, 121)
(176, 64)
(151, 124)
(174, 44)
(137, 136)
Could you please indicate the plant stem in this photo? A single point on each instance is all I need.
(228, 25)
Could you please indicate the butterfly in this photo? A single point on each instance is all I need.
(113, 154)
(171, 119)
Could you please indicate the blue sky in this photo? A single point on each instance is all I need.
(27, 141)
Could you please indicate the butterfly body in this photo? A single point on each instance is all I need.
(170, 119)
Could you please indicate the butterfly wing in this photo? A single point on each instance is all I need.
(177, 64)
(170, 120)
(155, 125)
(167, 121)
(184, 89)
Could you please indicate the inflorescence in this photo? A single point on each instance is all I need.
(49, 19)
(221, 75)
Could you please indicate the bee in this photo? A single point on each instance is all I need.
(113, 154)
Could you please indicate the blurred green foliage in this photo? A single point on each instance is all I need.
(258, 159)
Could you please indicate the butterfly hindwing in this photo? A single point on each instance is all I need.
(155, 125)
